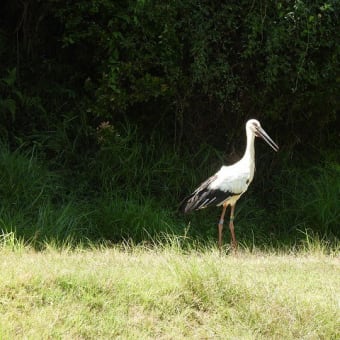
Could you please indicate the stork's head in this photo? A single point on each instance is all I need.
(254, 127)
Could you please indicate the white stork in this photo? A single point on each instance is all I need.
(230, 182)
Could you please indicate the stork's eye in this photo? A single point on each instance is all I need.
(255, 129)
(255, 126)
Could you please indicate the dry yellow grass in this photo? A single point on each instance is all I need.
(111, 293)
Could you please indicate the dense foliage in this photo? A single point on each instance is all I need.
(131, 103)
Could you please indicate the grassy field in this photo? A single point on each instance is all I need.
(165, 293)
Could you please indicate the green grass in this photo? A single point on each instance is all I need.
(165, 293)
(118, 197)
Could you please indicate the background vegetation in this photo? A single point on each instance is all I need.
(112, 111)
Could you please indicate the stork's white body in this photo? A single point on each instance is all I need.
(237, 177)
(230, 182)
(233, 179)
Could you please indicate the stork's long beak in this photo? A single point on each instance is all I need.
(263, 134)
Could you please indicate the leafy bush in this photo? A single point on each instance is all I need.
(187, 69)
(197, 67)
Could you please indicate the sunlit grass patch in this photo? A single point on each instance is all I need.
(144, 292)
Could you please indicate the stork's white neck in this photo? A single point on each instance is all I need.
(248, 159)
(249, 154)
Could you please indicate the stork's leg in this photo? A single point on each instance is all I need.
(231, 227)
(220, 227)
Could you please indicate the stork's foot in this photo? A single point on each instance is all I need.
(234, 247)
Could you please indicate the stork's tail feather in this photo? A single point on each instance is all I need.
(203, 199)
(185, 206)
(197, 201)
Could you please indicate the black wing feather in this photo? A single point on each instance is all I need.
(204, 197)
